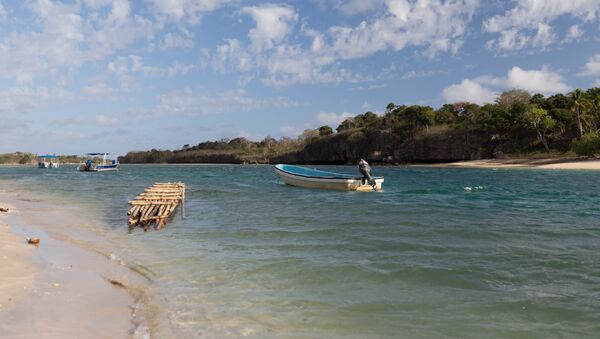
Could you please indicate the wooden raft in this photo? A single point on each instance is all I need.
(156, 204)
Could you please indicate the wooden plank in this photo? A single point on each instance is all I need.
(156, 204)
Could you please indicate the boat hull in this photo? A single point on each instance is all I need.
(342, 184)
(99, 168)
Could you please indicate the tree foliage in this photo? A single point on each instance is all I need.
(516, 122)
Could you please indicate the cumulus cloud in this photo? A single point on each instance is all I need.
(592, 67)
(485, 89)
(469, 90)
(542, 81)
(435, 26)
(528, 23)
(273, 24)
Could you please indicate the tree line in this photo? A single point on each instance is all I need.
(517, 122)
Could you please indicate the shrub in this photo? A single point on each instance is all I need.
(587, 145)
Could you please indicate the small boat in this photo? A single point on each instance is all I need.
(314, 178)
(92, 165)
(48, 161)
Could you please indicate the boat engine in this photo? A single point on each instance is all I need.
(365, 170)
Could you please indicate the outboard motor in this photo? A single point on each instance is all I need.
(365, 170)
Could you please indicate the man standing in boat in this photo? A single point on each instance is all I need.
(365, 170)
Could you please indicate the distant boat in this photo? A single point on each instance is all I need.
(90, 165)
(313, 178)
(48, 161)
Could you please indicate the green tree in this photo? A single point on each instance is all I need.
(308, 135)
(325, 130)
(508, 99)
(579, 106)
(446, 115)
(346, 125)
(588, 145)
(541, 122)
(366, 119)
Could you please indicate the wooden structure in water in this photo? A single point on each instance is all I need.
(156, 204)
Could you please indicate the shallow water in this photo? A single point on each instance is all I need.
(439, 253)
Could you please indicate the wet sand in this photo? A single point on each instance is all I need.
(17, 269)
(58, 289)
(559, 163)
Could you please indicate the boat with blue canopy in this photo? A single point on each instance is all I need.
(48, 161)
(314, 178)
(98, 162)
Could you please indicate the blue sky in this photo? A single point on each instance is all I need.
(118, 75)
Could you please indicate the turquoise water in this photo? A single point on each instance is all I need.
(459, 253)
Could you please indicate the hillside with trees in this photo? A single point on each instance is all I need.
(516, 124)
(26, 158)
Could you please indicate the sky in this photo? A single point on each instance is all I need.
(116, 75)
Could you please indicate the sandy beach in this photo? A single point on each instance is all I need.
(58, 289)
(17, 269)
(550, 163)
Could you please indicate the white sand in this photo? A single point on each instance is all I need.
(17, 269)
(561, 163)
(57, 290)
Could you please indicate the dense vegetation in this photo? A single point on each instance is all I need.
(516, 123)
(25, 158)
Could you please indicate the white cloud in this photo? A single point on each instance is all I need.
(474, 90)
(273, 24)
(469, 90)
(23, 98)
(126, 67)
(187, 101)
(171, 40)
(437, 26)
(592, 67)
(353, 7)
(189, 11)
(99, 90)
(544, 36)
(106, 120)
(574, 33)
(66, 36)
(542, 81)
(332, 119)
(528, 22)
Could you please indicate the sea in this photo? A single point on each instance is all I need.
(439, 253)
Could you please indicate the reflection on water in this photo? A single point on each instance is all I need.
(514, 256)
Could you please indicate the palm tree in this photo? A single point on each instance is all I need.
(579, 104)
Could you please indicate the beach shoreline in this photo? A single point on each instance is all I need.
(541, 163)
(60, 289)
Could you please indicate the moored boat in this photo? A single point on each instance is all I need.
(48, 161)
(91, 165)
(314, 178)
